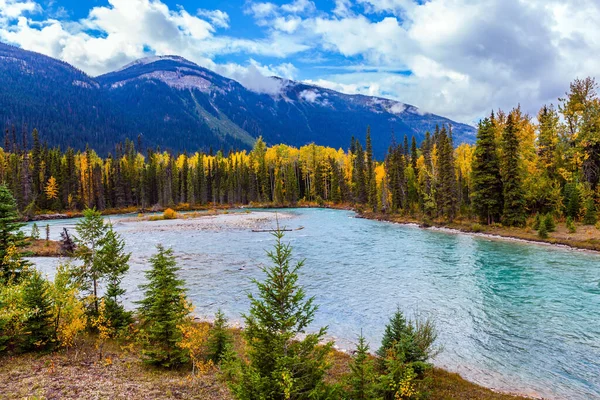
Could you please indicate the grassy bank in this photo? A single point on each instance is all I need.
(586, 237)
(42, 248)
(118, 373)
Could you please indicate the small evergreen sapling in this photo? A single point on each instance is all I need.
(362, 379)
(283, 361)
(115, 261)
(38, 327)
(35, 232)
(571, 225)
(549, 223)
(220, 339)
(591, 214)
(537, 222)
(543, 231)
(163, 309)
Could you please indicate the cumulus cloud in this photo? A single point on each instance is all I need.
(131, 29)
(464, 57)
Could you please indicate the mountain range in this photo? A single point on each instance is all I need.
(175, 104)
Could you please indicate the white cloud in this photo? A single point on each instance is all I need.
(13, 9)
(216, 17)
(466, 57)
(309, 95)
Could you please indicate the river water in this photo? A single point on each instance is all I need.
(512, 316)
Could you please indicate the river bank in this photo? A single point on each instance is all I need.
(587, 237)
(118, 373)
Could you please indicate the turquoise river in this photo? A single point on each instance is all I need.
(512, 316)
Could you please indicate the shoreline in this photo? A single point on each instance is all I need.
(560, 239)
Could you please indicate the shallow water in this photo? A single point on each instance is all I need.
(512, 316)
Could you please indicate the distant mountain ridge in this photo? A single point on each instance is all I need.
(173, 103)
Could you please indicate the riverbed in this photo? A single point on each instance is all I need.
(513, 316)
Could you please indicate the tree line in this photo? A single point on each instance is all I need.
(278, 359)
(520, 166)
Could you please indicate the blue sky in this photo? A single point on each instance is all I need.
(457, 58)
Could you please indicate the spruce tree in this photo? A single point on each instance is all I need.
(11, 238)
(114, 261)
(487, 182)
(591, 214)
(38, 327)
(35, 232)
(162, 310)
(220, 339)
(543, 231)
(537, 222)
(514, 197)
(549, 223)
(91, 230)
(283, 360)
(371, 180)
(447, 188)
(362, 379)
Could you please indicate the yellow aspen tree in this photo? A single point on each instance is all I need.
(51, 188)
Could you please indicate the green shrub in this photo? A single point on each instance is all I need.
(476, 227)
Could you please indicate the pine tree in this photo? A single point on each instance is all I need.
(571, 225)
(447, 189)
(543, 231)
(591, 214)
(35, 232)
(281, 364)
(114, 261)
(38, 328)
(362, 377)
(371, 181)
(549, 223)
(220, 339)
(10, 237)
(413, 153)
(163, 308)
(537, 222)
(514, 197)
(487, 182)
(91, 230)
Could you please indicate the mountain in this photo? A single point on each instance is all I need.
(175, 104)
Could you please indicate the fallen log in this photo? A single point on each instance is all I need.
(275, 230)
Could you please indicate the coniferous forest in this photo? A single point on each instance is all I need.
(521, 165)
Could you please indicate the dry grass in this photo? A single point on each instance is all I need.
(82, 375)
(42, 248)
(119, 374)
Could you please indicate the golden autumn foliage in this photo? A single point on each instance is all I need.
(51, 188)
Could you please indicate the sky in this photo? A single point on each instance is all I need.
(456, 58)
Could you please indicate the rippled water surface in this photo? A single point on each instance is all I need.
(511, 315)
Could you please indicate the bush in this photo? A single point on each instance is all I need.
(404, 355)
(476, 228)
(571, 225)
(169, 214)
